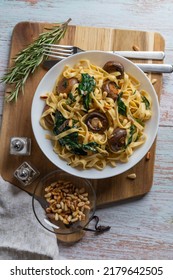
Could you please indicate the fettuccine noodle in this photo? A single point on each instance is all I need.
(90, 128)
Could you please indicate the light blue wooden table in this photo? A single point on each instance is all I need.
(141, 229)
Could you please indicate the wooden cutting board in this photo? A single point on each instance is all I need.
(17, 116)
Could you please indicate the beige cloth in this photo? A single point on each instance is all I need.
(21, 236)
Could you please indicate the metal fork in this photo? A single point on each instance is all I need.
(64, 51)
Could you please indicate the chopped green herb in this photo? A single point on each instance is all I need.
(71, 140)
(122, 109)
(91, 146)
(132, 131)
(59, 120)
(86, 101)
(86, 86)
(140, 122)
(70, 98)
(147, 103)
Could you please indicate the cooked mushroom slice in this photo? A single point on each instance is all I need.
(65, 85)
(117, 140)
(48, 119)
(111, 89)
(113, 66)
(97, 122)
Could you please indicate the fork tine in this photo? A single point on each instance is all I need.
(57, 56)
(57, 53)
(59, 46)
(58, 50)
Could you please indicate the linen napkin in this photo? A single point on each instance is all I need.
(21, 236)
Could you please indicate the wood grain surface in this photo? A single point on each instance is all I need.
(140, 229)
(109, 190)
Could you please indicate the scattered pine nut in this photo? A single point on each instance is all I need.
(132, 176)
(43, 97)
(148, 156)
(153, 81)
(135, 48)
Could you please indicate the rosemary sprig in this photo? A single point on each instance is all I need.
(26, 61)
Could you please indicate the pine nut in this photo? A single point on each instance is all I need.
(74, 220)
(87, 202)
(61, 218)
(74, 214)
(48, 195)
(87, 207)
(153, 81)
(132, 176)
(135, 48)
(82, 190)
(65, 221)
(85, 194)
(62, 204)
(56, 217)
(69, 218)
(80, 204)
(47, 189)
(148, 155)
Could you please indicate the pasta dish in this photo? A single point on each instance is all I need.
(96, 116)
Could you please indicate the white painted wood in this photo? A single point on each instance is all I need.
(141, 229)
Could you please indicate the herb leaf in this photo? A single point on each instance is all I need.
(70, 99)
(86, 86)
(122, 109)
(132, 131)
(140, 122)
(147, 103)
(59, 120)
(71, 140)
(90, 146)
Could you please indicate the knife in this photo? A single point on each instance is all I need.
(148, 68)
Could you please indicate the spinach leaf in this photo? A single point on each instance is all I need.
(86, 101)
(71, 140)
(86, 86)
(91, 146)
(147, 103)
(81, 149)
(140, 122)
(132, 131)
(59, 120)
(122, 109)
(70, 98)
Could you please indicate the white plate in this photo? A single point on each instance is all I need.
(46, 85)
